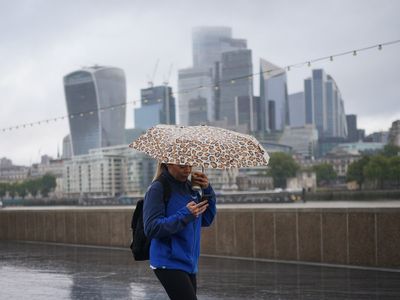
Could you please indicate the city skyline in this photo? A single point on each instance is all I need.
(76, 35)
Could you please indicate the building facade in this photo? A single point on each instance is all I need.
(394, 133)
(108, 172)
(96, 99)
(236, 67)
(274, 113)
(209, 42)
(302, 140)
(157, 107)
(324, 105)
(297, 109)
(196, 105)
(203, 97)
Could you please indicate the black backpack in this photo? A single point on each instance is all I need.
(140, 245)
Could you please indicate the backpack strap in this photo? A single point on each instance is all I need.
(166, 187)
(137, 214)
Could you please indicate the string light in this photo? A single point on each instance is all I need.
(216, 87)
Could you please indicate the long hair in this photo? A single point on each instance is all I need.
(160, 167)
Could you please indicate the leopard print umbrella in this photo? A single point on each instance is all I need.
(205, 146)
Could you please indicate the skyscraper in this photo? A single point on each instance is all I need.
(210, 42)
(352, 128)
(203, 105)
(236, 66)
(96, 98)
(157, 107)
(297, 106)
(324, 105)
(196, 105)
(273, 94)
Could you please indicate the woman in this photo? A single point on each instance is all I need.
(174, 227)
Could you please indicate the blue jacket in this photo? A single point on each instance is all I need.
(174, 231)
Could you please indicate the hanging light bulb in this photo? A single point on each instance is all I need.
(288, 68)
(232, 81)
(309, 64)
(379, 47)
(331, 58)
(354, 53)
(216, 87)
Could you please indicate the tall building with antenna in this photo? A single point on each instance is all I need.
(96, 101)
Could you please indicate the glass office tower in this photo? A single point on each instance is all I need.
(236, 67)
(297, 108)
(196, 105)
(210, 42)
(273, 93)
(95, 98)
(157, 107)
(199, 100)
(324, 105)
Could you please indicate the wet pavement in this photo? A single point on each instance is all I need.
(46, 271)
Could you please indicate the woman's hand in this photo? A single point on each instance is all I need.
(197, 208)
(200, 179)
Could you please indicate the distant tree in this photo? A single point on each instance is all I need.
(377, 169)
(394, 170)
(325, 173)
(391, 150)
(282, 166)
(3, 190)
(21, 189)
(48, 183)
(33, 187)
(12, 190)
(355, 172)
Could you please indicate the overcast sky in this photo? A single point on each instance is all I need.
(43, 40)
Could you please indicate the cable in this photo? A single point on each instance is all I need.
(215, 86)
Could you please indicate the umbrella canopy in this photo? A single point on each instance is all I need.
(205, 146)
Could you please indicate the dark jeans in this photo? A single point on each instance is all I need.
(178, 284)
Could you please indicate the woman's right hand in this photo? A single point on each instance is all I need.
(197, 208)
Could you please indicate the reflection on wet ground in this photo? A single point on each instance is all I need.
(45, 271)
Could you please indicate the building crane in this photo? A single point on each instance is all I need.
(166, 81)
(167, 104)
(151, 80)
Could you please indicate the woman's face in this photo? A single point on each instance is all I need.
(179, 172)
